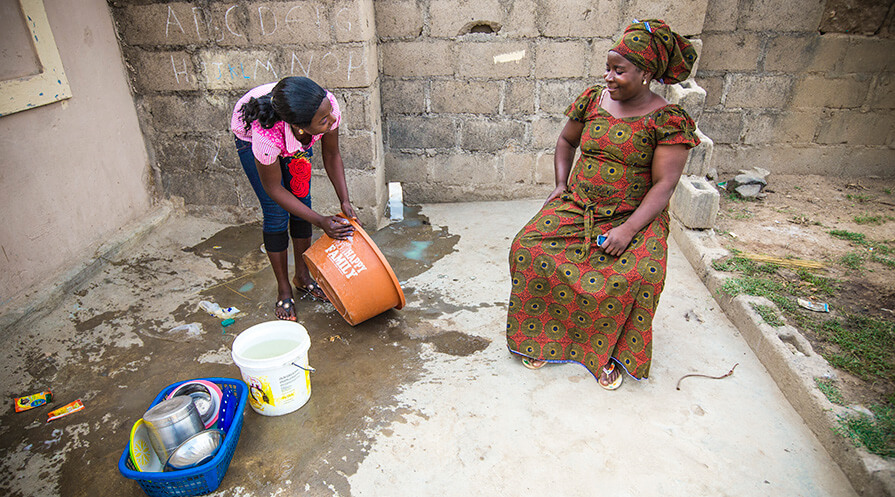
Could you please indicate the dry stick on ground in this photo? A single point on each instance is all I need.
(706, 376)
(783, 262)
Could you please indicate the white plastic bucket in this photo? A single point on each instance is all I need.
(273, 360)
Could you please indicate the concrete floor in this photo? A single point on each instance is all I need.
(422, 401)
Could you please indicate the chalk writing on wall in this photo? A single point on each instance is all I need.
(234, 67)
(307, 21)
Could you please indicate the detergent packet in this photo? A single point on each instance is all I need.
(65, 410)
(32, 401)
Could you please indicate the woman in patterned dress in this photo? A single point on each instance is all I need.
(580, 297)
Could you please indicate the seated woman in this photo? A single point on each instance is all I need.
(580, 297)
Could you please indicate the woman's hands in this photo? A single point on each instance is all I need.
(555, 193)
(617, 240)
(336, 227)
(348, 210)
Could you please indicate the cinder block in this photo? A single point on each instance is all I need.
(882, 95)
(473, 170)
(830, 160)
(161, 24)
(202, 187)
(545, 131)
(721, 15)
(599, 52)
(490, 135)
(494, 59)
(162, 71)
(560, 59)
(556, 96)
(450, 18)
(713, 86)
(820, 91)
(792, 127)
(417, 58)
(465, 96)
(854, 127)
(782, 15)
(354, 20)
(279, 23)
(403, 96)
(699, 160)
(419, 132)
(685, 17)
(545, 173)
(359, 113)
(188, 113)
(688, 95)
(750, 91)
(730, 51)
(359, 150)
(582, 18)
(239, 69)
(805, 52)
(695, 203)
(522, 20)
(518, 167)
(398, 18)
(869, 54)
(519, 96)
(408, 167)
(339, 66)
(722, 127)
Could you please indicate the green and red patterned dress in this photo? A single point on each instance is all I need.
(570, 301)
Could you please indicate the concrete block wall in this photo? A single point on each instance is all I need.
(473, 92)
(189, 62)
(802, 87)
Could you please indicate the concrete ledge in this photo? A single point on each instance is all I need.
(27, 308)
(792, 363)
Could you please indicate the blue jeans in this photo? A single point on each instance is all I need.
(276, 219)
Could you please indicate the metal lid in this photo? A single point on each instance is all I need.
(168, 412)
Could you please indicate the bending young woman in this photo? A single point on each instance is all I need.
(275, 127)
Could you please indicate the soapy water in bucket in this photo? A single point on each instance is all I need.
(273, 360)
(270, 349)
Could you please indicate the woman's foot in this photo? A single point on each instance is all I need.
(532, 363)
(285, 309)
(611, 376)
(309, 287)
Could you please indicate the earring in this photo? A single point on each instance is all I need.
(301, 131)
(644, 82)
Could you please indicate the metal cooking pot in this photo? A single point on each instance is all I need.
(170, 422)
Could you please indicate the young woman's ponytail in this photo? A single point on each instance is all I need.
(294, 100)
(259, 109)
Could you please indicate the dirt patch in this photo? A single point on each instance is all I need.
(848, 227)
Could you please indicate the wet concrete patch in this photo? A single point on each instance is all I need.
(458, 344)
(110, 343)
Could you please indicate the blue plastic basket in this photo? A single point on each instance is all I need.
(202, 479)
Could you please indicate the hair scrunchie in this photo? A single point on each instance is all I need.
(653, 47)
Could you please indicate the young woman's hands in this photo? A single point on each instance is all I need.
(348, 210)
(336, 227)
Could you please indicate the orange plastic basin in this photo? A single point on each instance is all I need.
(354, 275)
